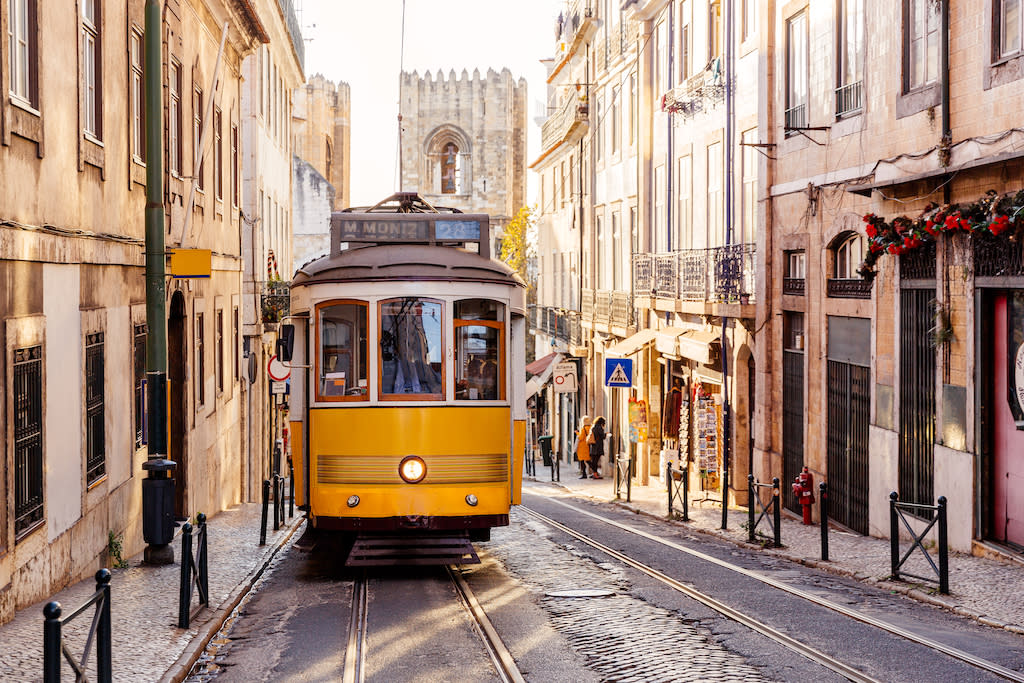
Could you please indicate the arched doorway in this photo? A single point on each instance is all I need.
(176, 433)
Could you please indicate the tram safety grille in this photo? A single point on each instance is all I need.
(441, 469)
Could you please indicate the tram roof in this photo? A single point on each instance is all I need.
(406, 262)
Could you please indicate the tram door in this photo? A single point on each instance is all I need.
(1007, 445)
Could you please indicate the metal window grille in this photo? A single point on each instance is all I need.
(849, 98)
(796, 117)
(200, 359)
(140, 376)
(95, 435)
(28, 438)
(849, 400)
(219, 361)
(917, 396)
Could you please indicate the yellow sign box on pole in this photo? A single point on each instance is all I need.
(190, 263)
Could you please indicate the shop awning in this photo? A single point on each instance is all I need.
(544, 367)
(665, 342)
(631, 344)
(696, 345)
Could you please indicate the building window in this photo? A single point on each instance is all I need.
(850, 62)
(197, 130)
(602, 254)
(92, 65)
(748, 18)
(661, 74)
(796, 265)
(22, 26)
(237, 341)
(28, 439)
(796, 71)
(219, 359)
(684, 41)
(716, 221)
(200, 375)
(174, 120)
(1008, 28)
(140, 378)
(218, 155)
(138, 98)
(450, 170)
(235, 189)
(921, 50)
(599, 132)
(848, 256)
(684, 210)
(661, 227)
(616, 119)
(748, 158)
(616, 251)
(715, 43)
(632, 109)
(95, 434)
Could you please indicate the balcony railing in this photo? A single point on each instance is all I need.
(558, 125)
(558, 323)
(275, 301)
(849, 98)
(288, 9)
(793, 285)
(849, 289)
(602, 307)
(718, 274)
(621, 309)
(796, 117)
(587, 305)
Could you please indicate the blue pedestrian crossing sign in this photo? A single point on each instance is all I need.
(618, 372)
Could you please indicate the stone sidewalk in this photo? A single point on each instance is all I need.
(147, 644)
(987, 590)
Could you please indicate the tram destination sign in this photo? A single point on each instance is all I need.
(391, 228)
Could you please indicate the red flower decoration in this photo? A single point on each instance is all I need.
(999, 225)
(951, 222)
(871, 230)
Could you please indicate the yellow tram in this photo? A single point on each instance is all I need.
(407, 396)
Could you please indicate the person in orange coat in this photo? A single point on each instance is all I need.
(582, 447)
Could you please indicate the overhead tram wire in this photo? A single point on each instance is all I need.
(401, 72)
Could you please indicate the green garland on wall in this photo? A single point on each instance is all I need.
(993, 214)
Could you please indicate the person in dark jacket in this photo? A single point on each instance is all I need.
(596, 441)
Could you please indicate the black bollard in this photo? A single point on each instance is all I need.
(823, 501)
(277, 489)
(291, 489)
(202, 566)
(894, 536)
(185, 588)
(686, 490)
(943, 548)
(104, 659)
(668, 485)
(778, 512)
(751, 501)
(263, 522)
(280, 498)
(51, 642)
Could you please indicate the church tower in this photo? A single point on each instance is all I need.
(464, 141)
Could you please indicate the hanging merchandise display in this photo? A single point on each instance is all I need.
(637, 420)
(706, 418)
(684, 425)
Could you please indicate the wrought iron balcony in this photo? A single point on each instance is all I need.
(558, 323)
(793, 285)
(602, 307)
(621, 309)
(570, 119)
(275, 301)
(849, 98)
(718, 274)
(796, 117)
(849, 289)
(587, 305)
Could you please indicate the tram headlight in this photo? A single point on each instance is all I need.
(412, 469)
(353, 501)
(472, 500)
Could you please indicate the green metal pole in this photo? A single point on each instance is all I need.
(157, 488)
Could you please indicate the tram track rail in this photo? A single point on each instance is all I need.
(774, 634)
(356, 649)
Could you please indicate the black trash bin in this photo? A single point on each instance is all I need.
(545, 448)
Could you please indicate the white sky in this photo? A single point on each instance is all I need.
(360, 43)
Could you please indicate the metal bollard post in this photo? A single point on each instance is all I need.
(280, 499)
(777, 512)
(277, 488)
(751, 502)
(202, 566)
(823, 501)
(943, 548)
(629, 481)
(51, 642)
(185, 588)
(894, 536)
(668, 485)
(104, 660)
(263, 521)
(686, 490)
(291, 489)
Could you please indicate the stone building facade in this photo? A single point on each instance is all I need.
(464, 141)
(321, 131)
(72, 298)
(312, 198)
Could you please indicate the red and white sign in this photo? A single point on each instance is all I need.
(564, 378)
(277, 370)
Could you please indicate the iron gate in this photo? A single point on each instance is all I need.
(792, 422)
(917, 396)
(849, 401)
(28, 438)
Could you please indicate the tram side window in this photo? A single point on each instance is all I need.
(411, 347)
(479, 342)
(342, 339)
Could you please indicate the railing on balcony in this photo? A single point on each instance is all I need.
(849, 289)
(602, 307)
(553, 130)
(793, 285)
(275, 300)
(718, 274)
(558, 323)
(621, 309)
(587, 305)
(288, 9)
(849, 98)
(796, 117)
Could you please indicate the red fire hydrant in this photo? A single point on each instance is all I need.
(803, 489)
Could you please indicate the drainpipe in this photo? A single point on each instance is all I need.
(730, 116)
(947, 130)
(157, 487)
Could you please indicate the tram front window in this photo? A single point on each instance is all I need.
(342, 357)
(479, 332)
(411, 349)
